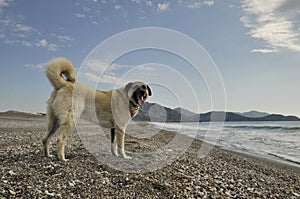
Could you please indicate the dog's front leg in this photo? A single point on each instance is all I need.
(120, 135)
(114, 146)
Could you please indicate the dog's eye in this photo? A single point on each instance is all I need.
(144, 87)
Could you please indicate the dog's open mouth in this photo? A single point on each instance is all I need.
(141, 100)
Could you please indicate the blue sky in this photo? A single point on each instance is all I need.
(255, 44)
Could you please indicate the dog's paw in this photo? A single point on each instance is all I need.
(115, 154)
(114, 151)
(64, 160)
(123, 154)
(126, 157)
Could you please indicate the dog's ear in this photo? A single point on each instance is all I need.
(149, 90)
(128, 86)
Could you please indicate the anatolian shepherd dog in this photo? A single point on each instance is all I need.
(70, 100)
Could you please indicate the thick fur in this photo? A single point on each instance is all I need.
(69, 101)
(59, 67)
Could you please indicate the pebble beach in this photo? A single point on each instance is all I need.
(26, 173)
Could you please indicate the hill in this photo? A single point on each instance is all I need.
(21, 114)
(157, 113)
(254, 114)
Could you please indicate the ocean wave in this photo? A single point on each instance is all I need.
(282, 128)
(286, 158)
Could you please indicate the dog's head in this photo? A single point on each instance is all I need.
(138, 93)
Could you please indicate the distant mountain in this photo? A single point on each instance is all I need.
(14, 112)
(187, 115)
(157, 113)
(233, 117)
(276, 117)
(184, 112)
(19, 113)
(254, 114)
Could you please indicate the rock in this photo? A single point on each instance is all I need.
(49, 194)
(71, 184)
(11, 173)
(296, 194)
(12, 192)
(105, 181)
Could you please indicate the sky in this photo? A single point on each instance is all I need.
(247, 57)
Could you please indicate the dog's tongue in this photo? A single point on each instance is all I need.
(141, 102)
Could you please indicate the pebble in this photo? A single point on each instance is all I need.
(11, 173)
(71, 184)
(48, 193)
(296, 194)
(12, 192)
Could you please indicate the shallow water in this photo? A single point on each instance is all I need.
(274, 140)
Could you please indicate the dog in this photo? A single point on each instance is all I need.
(71, 100)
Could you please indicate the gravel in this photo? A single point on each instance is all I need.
(158, 169)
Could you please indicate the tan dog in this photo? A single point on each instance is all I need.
(69, 101)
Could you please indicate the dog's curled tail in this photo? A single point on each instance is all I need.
(58, 68)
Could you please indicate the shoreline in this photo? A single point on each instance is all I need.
(26, 173)
(254, 158)
(270, 157)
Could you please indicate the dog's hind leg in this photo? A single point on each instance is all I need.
(66, 128)
(53, 125)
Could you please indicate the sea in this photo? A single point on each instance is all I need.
(278, 141)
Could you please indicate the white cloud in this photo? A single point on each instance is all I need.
(199, 4)
(87, 9)
(60, 38)
(96, 65)
(90, 76)
(3, 3)
(162, 7)
(105, 78)
(117, 7)
(26, 43)
(42, 43)
(145, 68)
(208, 3)
(52, 47)
(45, 44)
(112, 73)
(149, 3)
(5, 22)
(264, 50)
(22, 28)
(14, 31)
(136, 1)
(40, 66)
(101, 66)
(195, 5)
(80, 15)
(268, 22)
